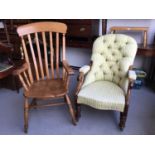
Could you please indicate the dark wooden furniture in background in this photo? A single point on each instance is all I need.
(44, 82)
(6, 52)
(80, 33)
(149, 51)
(12, 25)
(4, 36)
(10, 46)
(7, 80)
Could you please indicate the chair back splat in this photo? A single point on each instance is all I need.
(41, 46)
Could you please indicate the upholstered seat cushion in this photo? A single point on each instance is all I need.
(103, 95)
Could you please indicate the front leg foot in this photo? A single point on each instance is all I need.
(78, 111)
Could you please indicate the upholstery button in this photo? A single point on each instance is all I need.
(127, 42)
(109, 47)
(104, 41)
(115, 41)
(106, 59)
(120, 48)
(113, 54)
(100, 66)
(116, 61)
(101, 53)
(110, 67)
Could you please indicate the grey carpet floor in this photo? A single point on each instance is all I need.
(56, 120)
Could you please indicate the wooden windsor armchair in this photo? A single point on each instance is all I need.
(40, 75)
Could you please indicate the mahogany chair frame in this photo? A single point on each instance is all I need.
(48, 79)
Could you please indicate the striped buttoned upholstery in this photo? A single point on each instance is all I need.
(102, 95)
(112, 55)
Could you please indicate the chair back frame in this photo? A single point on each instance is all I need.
(34, 34)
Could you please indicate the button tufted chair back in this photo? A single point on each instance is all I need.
(112, 55)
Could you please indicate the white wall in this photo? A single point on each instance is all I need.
(80, 56)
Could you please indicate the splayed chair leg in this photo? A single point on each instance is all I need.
(71, 110)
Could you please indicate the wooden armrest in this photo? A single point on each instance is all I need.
(21, 69)
(68, 69)
(80, 82)
(83, 71)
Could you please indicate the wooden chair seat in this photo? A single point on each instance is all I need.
(47, 89)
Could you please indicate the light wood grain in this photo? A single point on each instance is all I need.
(46, 85)
(33, 57)
(27, 59)
(57, 55)
(42, 27)
(51, 54)
(45, 54)
(39, 56)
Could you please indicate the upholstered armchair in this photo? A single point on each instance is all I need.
(106, 83)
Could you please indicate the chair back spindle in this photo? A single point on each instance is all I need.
(39, 56)
(41, 45)
(57, 54)
(51, 54)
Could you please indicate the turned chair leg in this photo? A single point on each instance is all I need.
(123, 118)
(26, 110)
(71, 110)
(78, 111)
